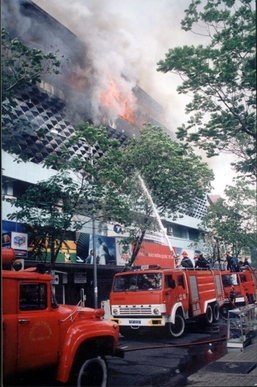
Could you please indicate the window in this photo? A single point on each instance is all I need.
(180, 231)
(168, 281)
(243, 278)
(193, 234)
(33, 296)
(20, 187)
(132, 282)
(229, 279)
(181, 281)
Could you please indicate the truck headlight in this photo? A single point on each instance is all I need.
(156, 311)
(115, 311)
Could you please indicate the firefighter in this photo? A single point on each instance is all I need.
(232, 263)
(186, 262)
(202, 262)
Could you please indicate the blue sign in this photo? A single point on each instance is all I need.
(117, 228)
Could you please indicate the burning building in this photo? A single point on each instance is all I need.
(82, 92)
(76, 95)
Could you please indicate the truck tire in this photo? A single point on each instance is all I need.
(178, 328)
(224, 311)
(91, 372)
(216, 312)
(209, 315)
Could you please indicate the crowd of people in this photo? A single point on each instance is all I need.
(104, 257)
(199, 262)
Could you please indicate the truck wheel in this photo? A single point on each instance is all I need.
(177, 329)
(216, 312)
(92, 372)
(224, 311)
(209, 314)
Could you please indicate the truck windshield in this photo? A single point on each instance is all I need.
(135, 282)
(230, 279)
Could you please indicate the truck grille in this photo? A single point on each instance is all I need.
(135, 311)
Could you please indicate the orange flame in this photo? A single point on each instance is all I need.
(113, 96)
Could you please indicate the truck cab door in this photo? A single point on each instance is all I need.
(38, 328)
(248, 287)
(176, 293)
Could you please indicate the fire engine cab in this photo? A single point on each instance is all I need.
(38, 334)
(239, 289)
(157, 297)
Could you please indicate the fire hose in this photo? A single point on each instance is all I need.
(175, 345)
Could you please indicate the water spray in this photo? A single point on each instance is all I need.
(156, 214)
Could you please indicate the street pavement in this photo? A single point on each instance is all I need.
(197, 365)
(153, 361)
(236, 368)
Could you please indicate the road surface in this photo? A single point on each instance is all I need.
(153, 360)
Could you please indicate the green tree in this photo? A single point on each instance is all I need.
(231, 223)
(47, 210)
(106, 185)
(100, 200)
(72, 197)
(173, 175)
(222, 78)
(21, 67)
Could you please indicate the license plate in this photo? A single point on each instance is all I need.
(135, 322)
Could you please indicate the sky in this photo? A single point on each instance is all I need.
(130, 37)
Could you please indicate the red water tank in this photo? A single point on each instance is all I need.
(8, 256)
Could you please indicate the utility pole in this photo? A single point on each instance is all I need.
(95, 265)
(94, 246)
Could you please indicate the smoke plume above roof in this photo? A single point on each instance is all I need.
(124, 40)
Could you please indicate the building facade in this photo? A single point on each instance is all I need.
(57, 105)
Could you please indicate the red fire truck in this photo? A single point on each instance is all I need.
(40, 334)
(157, 297)
(239, 288)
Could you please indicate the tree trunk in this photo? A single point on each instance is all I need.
(136, 247)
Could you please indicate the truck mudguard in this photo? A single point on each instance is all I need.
(79, 335)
